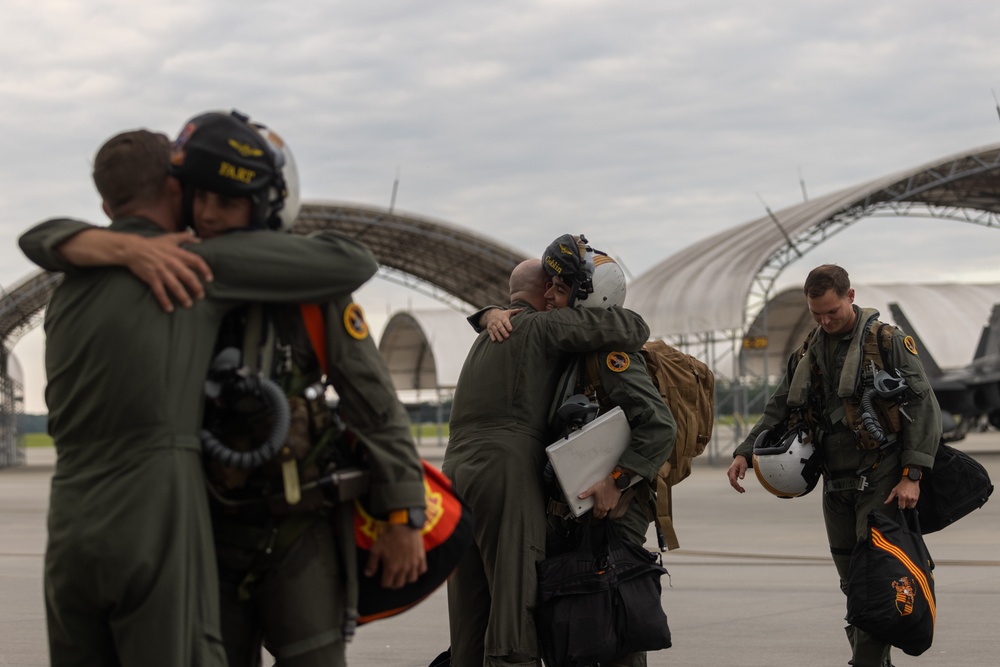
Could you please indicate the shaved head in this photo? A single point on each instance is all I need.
(528, 282)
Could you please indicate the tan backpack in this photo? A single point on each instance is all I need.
(687, 386)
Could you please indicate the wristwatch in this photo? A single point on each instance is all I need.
(913, 473)
(622, 479)
(414, 517)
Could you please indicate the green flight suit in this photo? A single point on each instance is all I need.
(845, 512)
(130, 575)
(296, 603)
(495, 457)
(625, 383)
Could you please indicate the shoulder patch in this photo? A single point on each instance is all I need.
(910, 344)
(617, 361)
(354, 322)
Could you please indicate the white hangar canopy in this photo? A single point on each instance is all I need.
(708, 286)
(947, 318)
(425, 349)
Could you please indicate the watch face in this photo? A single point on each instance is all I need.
(418, 517)
(914, 474)
(623, 480)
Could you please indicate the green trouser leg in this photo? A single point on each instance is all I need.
(491, 595)
(296, 608)
(846, 517)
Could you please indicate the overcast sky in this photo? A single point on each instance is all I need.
(647, 125)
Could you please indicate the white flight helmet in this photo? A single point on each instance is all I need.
(290, 198)
(785, 464)
(608, 283)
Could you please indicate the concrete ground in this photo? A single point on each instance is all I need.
(752, 585)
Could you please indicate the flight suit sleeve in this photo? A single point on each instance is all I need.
(474, 318)
(919, 438)
(653, 426)
(40, 243)
(369, 406)
(577, 330)
(280, 267)
(775, 412)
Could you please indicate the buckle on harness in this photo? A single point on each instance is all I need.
(859, 483)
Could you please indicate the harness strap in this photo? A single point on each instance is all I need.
(883, 349)
(251, 337)
(282, 537)
(594, 378)
(312, 317)
(845, 484)
(349, 561)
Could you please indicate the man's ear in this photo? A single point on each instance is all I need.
(173, 186)
(107, 210)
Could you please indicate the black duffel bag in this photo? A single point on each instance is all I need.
(890, 589)
(601, 601)
(957, 485)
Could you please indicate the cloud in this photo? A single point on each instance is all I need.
(646, 125)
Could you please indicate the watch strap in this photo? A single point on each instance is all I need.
(414, 517)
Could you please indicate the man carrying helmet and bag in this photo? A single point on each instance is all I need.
(855, 407)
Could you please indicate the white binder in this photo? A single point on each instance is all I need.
(586, 456)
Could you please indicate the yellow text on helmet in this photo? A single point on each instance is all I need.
(232, 172)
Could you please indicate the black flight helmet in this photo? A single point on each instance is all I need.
(570, 258)
(227, 154)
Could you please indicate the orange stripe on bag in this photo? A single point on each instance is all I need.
(879, 541)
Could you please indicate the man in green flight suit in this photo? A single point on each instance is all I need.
(821, 389)
(610, 377)
(281, 544)
(495, 457)
(130, 574)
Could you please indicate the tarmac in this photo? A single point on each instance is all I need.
(752, 584)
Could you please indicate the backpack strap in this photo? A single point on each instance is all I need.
(594, 377)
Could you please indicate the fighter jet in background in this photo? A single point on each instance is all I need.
(969, 396)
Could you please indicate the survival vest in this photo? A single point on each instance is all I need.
(687, 386)
(806, 389)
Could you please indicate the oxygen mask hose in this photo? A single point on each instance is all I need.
(275, 402)
(870, 423)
